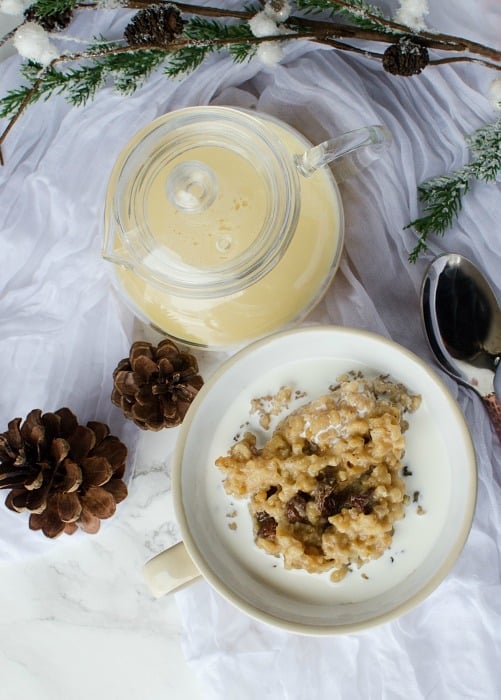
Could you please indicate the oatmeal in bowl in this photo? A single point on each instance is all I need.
(335, 505)
(326, 488)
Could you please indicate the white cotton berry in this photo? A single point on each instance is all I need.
(412, 13)
(495, 93)
(280, 12)
(13, 7)
(270, 53)
(263, 25)
(32, 42)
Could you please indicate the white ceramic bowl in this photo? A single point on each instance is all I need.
(439, 453)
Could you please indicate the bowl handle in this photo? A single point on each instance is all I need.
(170, 570)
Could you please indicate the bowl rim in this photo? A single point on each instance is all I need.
(231, 595)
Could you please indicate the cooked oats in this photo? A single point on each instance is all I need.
(325, 489)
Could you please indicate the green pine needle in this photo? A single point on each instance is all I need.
(128, 70)
(204, 31)
(12, 101)
(186, 60)
(51, 83)
(357, 12)
(46, 8)
(241, 52)
(485, 144)
(443, 195)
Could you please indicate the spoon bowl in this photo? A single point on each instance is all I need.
(462, 322)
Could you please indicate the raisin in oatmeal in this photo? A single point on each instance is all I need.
(325, 489)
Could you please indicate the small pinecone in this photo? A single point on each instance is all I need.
(156, 25)
(155, 386)
(55, 22)
(66, 475)
(408, 57)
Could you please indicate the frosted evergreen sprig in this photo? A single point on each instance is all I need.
(442, 196)
(206, 29)
(129, 69)
(359, 12)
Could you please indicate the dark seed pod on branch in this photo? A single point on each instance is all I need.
(156, 25)
(67, 476)
(155, 386)
(54, 22)
(408, 57)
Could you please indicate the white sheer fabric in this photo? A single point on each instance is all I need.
(62, 329)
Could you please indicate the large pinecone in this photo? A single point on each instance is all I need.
(68, 476)
(155, 386)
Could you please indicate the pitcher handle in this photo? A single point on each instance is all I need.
(349, 153)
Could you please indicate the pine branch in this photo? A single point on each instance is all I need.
(442, 196)
(42, 83)
(128, 65)
(129, 68)
(485, 144)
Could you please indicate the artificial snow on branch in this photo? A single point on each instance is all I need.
(32, 42)
(412, 14)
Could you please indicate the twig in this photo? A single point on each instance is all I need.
(462, 59)
(22, 107)
(347, 47)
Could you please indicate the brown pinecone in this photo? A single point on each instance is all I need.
(66, 475)
(54, 22)
(156, 25)
(155, 386)
(407, 57)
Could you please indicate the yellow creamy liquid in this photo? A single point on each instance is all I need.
(229, 226)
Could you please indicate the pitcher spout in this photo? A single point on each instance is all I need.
(114, 249)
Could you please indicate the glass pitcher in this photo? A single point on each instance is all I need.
(224, 225)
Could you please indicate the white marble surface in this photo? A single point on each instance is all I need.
(79, 622)
(77, 619)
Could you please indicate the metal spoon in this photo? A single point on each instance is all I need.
(462, 320)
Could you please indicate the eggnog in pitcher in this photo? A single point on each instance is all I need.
(197, 243)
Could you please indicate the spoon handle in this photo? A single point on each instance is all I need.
(494, 410)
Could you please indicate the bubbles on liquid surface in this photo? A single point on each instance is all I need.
(224, 243)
